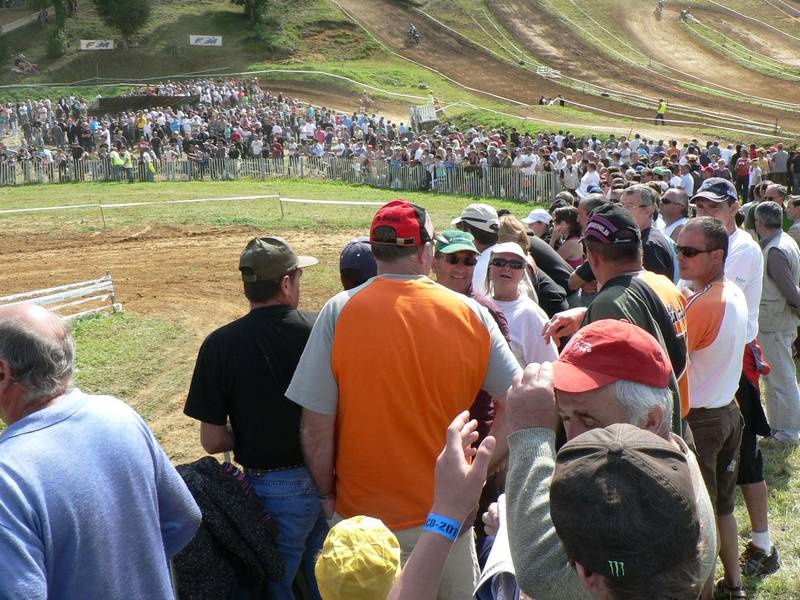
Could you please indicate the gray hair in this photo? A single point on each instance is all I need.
(40, 365)
(770, 214)
(639, 399)
(649, 195)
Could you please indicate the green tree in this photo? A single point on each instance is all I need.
(126, 16)
(253, 9)
(59, 9)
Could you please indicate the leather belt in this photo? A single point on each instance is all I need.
(260, 472)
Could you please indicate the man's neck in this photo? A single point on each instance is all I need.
(17, 409)
(669, 221)
(604, 275)
(768, 235)
(272, 302)
(708, 279)
(399, 268)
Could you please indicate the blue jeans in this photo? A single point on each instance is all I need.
(291, 498)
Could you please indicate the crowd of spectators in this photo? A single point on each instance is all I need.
(240, 119)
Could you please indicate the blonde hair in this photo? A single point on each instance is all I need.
(513, 230)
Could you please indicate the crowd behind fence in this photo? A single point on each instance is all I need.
(495, 182)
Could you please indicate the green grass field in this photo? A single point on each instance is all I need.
(147, 357)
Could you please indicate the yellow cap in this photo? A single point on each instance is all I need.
(360, 560)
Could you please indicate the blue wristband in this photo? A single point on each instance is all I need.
(444, 526)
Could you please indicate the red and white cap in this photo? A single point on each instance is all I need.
(608, 351)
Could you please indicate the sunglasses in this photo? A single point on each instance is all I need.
(515, 264)
(467, 261)
(690, 252)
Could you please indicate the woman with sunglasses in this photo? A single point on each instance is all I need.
(525, 318)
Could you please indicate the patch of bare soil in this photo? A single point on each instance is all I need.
(327, 94)
(466, 63)
(761, 39)
(559, 46)
(668, 42)
(186, 275)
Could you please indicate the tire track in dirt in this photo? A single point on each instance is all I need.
(667, 41)
(186, 276)
(463, 61)
(556, 44)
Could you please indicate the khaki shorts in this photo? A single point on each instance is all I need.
(717, 435)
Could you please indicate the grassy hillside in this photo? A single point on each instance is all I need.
(308, 28)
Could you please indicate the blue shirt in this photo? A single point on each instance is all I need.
(90, 506)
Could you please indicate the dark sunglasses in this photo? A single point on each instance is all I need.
(467, 261)
(690, 252)
(515, 264)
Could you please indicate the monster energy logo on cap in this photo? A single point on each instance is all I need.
(617, 568)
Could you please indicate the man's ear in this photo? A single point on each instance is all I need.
(594, 582)
(5, 375)
(654, 419)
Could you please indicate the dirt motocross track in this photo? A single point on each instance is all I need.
(541, 34)
(184, 275)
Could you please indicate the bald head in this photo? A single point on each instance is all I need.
(40, 320)
(36, 352)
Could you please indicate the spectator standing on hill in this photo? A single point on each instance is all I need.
(778, 162)
(661, 111)
(91, 505)
(238, 395)
(717, 320)
(354, 408)
(744, 266)
(794, 171)
(778, 321)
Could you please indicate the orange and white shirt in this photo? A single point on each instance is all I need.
(717, 320)
(395, 360)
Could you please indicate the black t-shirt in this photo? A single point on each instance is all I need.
(550, 261)
(552, 297)
(243, 370)
(657, 253)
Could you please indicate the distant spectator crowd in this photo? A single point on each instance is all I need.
(236, 119)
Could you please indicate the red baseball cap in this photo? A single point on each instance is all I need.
(411, 224)
(607, 351)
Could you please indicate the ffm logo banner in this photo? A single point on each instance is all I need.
(205, 40)
(97, 44)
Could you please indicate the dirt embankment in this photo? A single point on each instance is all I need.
(559, 46)
(462, 61)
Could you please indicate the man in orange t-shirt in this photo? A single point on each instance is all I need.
(387, 367)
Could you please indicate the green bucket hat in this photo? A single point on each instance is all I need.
(456, 241)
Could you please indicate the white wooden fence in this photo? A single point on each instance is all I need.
(73, 300)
